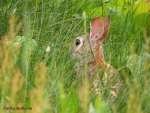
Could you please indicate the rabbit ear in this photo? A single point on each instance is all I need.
(106, 26)
(96, 28)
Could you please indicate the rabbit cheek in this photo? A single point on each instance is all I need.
(76, 49)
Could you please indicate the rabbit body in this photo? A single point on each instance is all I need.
(97, 66)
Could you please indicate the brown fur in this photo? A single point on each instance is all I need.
(110, 80)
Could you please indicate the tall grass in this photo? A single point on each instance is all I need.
(44, 81)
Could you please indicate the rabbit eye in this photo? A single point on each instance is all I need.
(77, 42)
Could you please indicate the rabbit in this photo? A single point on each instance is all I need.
(94, 52)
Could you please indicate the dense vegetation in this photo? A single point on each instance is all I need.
(36, 71)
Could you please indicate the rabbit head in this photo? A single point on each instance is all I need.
(98, 32)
